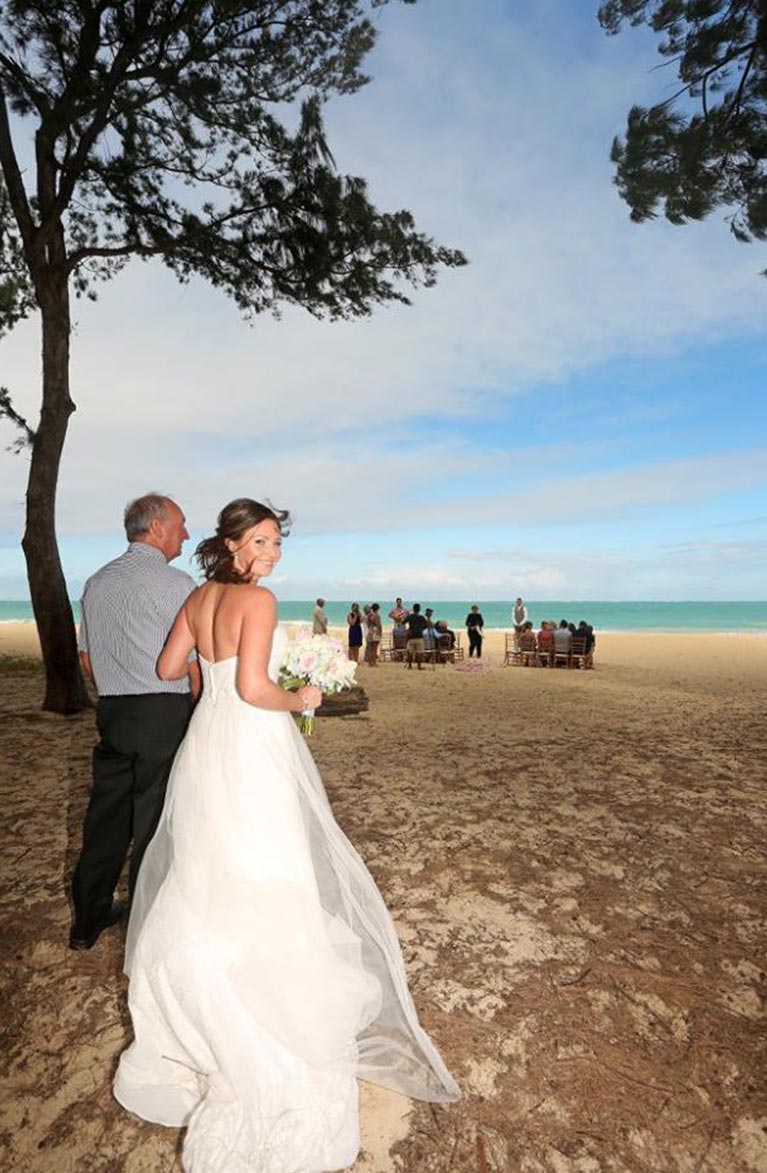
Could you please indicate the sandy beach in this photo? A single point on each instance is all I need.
(575, 865)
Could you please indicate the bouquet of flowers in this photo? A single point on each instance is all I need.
(319, 660)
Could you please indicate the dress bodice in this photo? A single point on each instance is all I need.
(219, 677)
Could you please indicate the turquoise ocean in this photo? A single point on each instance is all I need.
(630, 616)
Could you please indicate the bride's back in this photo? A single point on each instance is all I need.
(216, 614)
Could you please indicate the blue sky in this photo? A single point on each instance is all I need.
(577, 414)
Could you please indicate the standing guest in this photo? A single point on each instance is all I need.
(128, 608)
(354, 620)
(416, 625)
(475, 623)
(398, 613)
(366, 632)
(375, 631)
(319, 619)
(519, 615)
(398, 616)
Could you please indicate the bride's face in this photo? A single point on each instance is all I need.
(259, 550)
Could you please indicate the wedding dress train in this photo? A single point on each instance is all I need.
(265, 973)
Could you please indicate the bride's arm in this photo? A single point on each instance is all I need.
(173, 663)
(253, 652)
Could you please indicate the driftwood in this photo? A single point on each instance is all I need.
(344, 704)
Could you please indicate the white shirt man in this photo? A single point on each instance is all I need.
(319, 619)
(519, 615)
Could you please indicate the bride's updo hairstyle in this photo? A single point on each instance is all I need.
(215, 559)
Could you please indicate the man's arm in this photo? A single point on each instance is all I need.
(85, 664)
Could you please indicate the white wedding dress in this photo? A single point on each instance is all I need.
(265, 973)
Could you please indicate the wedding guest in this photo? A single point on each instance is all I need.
(527, 644)
(429, 632)
(474, 624)
(545, 642)
(416, 625)
(128, 608)
(445, 634)
(354, 621)
(365, 631)
(398, 613)
(586, 631)
(519, 615)
(562, 639)
(374, 633)
(319, 619)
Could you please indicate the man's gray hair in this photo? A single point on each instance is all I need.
(140, 514)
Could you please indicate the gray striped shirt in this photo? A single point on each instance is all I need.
(128, 608)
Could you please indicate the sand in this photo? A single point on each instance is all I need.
(575, 864)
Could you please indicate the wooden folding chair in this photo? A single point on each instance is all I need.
(578, 657)
(399, 646)
(512, 655)
(445, 650)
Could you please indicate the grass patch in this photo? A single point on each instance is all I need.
(20, 666)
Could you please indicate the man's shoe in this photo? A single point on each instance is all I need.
(116, 913)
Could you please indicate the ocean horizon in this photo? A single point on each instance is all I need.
(692, 616)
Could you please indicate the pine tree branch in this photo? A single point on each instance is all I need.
(8, 411)
(14, 182)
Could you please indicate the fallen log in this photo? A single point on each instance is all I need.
(344, 704)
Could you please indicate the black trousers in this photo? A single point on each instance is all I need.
(131, 763)
(475, 641)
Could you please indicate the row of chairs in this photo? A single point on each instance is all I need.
(524, 652)
(394, 648)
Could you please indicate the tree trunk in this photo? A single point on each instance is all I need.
(65, 690)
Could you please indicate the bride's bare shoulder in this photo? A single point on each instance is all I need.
(261, 598)
(250, 599)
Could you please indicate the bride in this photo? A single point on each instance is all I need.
(265, 974)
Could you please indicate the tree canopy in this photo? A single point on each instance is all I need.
(161, 131)
(705, 145)
(190, 131)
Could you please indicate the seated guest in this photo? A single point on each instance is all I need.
(525, 640)
(586, 631)
(430, 632)
(563, 637)
(545, 637)
(444, 634)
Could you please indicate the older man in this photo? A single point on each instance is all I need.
(128, 608)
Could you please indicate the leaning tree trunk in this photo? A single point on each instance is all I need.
(65, 690)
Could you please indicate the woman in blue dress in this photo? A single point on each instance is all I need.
(354, 619)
